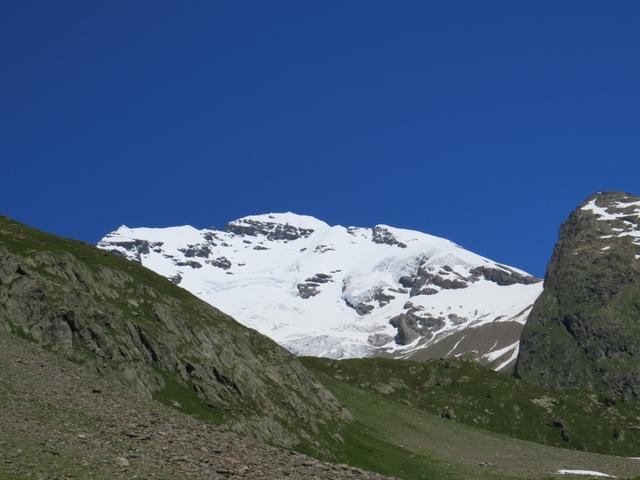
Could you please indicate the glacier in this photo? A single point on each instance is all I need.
(344, 292)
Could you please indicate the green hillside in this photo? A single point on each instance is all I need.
(130, 324)
(384, 397)
(464, 392)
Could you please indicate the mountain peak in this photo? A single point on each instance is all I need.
(617, 207)
(277, 226)
(343, 292)
(284, 218)
(609, 198)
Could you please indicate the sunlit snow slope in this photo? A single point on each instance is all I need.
(344, 292)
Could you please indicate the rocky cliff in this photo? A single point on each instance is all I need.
(127, 323)
(584, 330)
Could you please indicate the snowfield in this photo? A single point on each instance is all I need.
(339, 292)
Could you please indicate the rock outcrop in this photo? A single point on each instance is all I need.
(584, 330)
(272, 230)
(61, 421)
(130, 324)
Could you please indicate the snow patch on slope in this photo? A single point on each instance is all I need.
(591, 473)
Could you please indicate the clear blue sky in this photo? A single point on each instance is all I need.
(484, 122)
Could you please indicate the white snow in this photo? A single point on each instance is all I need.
(260, 289)
(455, 346)
(599, 211)
(495, 354)
(514, 355)
(630, 228)
(584, 472)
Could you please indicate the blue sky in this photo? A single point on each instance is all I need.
(484, 122)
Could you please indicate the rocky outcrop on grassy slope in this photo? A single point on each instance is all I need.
(584, 330)
(134, 326)
(60, 421)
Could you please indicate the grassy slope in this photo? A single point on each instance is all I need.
(60, 421)
(277, 395)
(435, 448)
(480, 397)
(360, 447)
(377, 440)
(29, 243)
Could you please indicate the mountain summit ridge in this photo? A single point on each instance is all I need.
(342, 291)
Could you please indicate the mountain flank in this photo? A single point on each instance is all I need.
(129, 324)
(442, 410)
(59, 420)
(584, 330)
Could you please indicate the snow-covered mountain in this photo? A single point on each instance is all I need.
(344, 292)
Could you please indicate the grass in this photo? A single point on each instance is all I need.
(467, 393)
(397, 405)
(96, 307)
(388, 438)
(363, 447)
(397, 439)
(31, 243)
(183, 398)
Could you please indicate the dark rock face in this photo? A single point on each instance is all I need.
(379, 339)
(198, 250)
(137, 248)
(446, 283)
(456, 319)
(320, 278)
(383, 236)
(136, 327)
(411, 326)
(220, 262)
(425, 278)
(422, 291)
(382, 298)
(310, 286)
(308, 289)
(363, 308)
(503, 277)
(211, 238)
(323, 249)
(271, 230)
(584, 330)
(189, 263)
